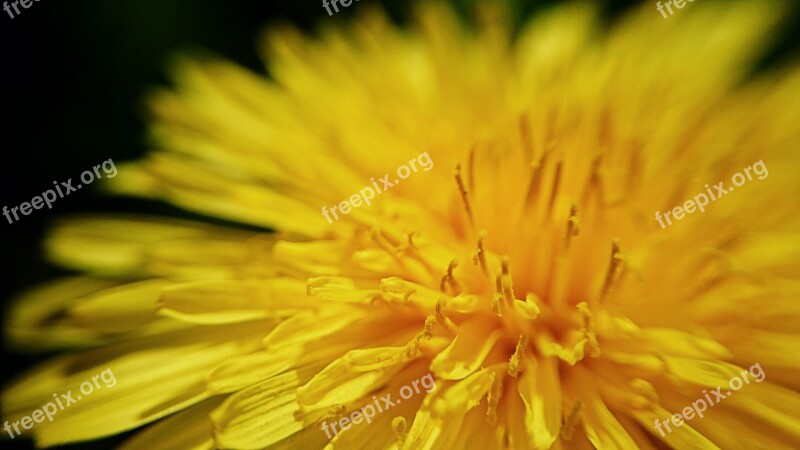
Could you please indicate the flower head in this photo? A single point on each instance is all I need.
(524, 274)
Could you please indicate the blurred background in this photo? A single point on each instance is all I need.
(73, 78)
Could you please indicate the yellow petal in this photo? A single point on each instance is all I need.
(464, 395)
(217, 302)
(352, 376)
(134, 245)
(154, 378)
(38, 318)
(188, 429)
(263, 414)
(540, 389)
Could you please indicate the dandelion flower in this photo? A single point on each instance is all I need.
(524, 271)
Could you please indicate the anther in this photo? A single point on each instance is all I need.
(516, 358)
(429, 322)
(504, 264)
(412, 349)
(573, 224)
(493, 397)
(463, 192)
(497, 297)
(479, 257)
(556, 181)
(535, 183)
(594, 184)
(588, 329)
(408, 244)
(382, 242)
(471, 168)
(614, 269)
(449, 279)
(506, 283)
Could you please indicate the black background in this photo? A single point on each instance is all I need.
(71, 87)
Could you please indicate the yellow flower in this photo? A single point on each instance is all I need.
(525, 271)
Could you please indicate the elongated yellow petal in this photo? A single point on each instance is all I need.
(188, 429)
(352, 376)
(540, 391)
(234, 301)
(263, 414)
(152, 379)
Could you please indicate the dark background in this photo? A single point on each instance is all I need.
(71, 87)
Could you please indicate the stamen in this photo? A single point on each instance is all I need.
(493, 397)
(593, 183)
(479, 257)
(507, 284)
(498, 295)
(614, 269)
(588, 329)
(571, 420)
(573, 224)
(464, 197)
(516, 358)
(382, 242)
(508, 290)
(438, 308)
(413, 346)
(471, 168)
(535, 183)
(449, 279)
(409, 249)
(496, 298)
(429, 322)
(438, 317)
(408, 244)
(556, 181)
